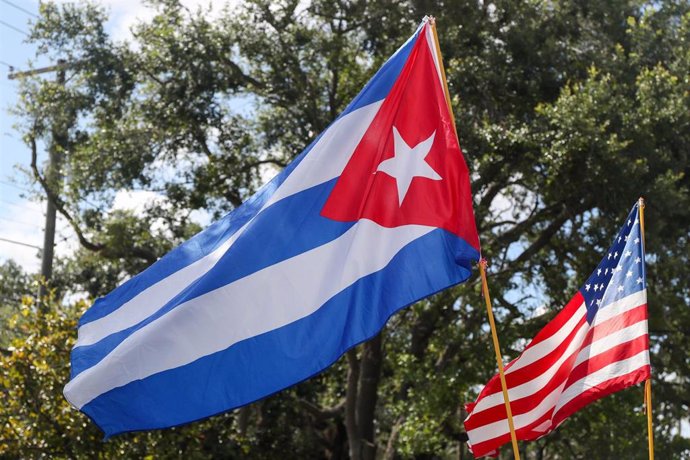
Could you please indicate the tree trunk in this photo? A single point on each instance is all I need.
(351, 405)
(362, 393)
(369, 376)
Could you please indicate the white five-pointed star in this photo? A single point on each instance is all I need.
(408, 163)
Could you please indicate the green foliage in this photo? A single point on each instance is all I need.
(14, 284)
(567, 112)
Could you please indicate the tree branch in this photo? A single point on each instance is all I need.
(323, 413)
(137, 251)
(58, 203)
(389, 454)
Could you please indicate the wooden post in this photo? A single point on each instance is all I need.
(482, 263)
(499, 358)
(648, 382)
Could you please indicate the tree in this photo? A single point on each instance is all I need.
(567, 112)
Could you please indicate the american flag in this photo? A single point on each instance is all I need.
(597, 345)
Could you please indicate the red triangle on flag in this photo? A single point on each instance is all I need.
(408, 168)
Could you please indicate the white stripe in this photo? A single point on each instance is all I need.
(546, 347)
(620, 306)
(499, 428)
(607, 342)
(617, 369)
(489, 431)
(325, 161)
(537, 383)
(434, 53)
(330, 155)
(263, 301)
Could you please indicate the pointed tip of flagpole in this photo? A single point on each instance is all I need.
(641, 202)
(430, 19)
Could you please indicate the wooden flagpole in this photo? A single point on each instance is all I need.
(432, 22)
(499, 358)
(482, 262)
(648, 382)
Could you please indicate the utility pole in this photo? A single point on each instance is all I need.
(53, 174)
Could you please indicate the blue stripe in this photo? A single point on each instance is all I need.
(209, 239)
(260, 366)
(380, 85)
(290, 227)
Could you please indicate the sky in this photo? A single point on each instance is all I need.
(21, 218)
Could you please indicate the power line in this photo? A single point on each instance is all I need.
(20, 8)
(23, 207)
(7, 240)
(21, 222)
(15, 186)
(10, 66)
(7, 24)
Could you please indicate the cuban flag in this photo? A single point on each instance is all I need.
(374, 215)
(598, 344)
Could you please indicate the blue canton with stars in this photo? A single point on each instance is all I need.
(621, 271)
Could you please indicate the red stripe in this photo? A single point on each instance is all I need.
(526, 404)
(565, 371)
(620, 352)
(557, 323)
(603, 389)
(517, 377)
(618, 322)
(538, 367)
(524, 375)
(526, 433)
